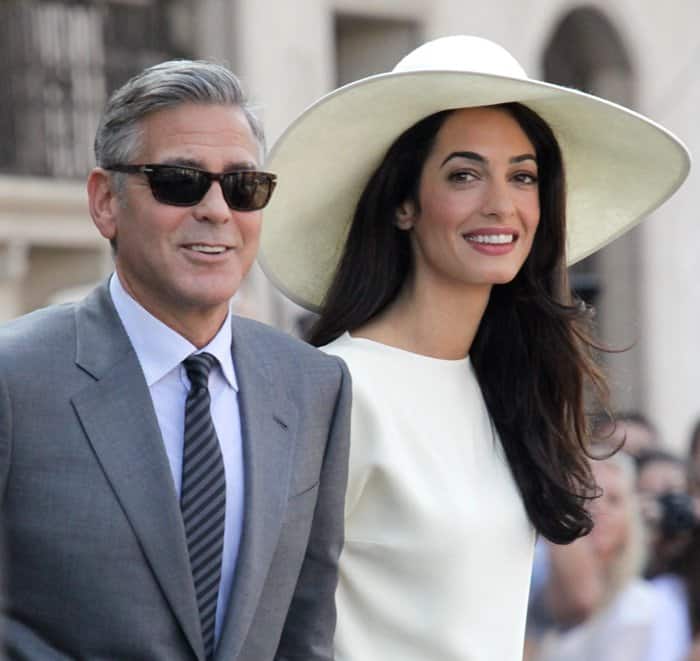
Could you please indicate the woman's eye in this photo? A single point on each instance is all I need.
(526, 178)
(462, 176)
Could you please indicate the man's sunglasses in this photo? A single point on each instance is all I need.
(181, 186)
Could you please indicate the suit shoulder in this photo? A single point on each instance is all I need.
(283, 347)
(44, 328)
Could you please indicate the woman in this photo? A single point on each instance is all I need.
(622, 628)
(432, 241)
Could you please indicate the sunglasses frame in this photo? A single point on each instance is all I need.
(152, 169)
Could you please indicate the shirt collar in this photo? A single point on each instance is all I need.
(158, 347)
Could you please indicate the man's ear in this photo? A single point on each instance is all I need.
(103, 203)
(405, 215)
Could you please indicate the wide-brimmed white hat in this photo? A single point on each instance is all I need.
(619, 165)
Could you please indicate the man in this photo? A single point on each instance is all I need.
(172, 478)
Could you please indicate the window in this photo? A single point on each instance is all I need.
(367, 45)
(59, 60)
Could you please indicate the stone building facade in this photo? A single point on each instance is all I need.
(61, 58)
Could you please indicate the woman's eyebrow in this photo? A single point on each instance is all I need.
(473, 156)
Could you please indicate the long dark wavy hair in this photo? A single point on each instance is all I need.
(533, 354)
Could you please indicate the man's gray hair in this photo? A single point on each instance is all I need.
(165, 85)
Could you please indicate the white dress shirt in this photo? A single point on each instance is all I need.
(160, 351)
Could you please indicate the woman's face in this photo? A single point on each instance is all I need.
(611, 512)
(479, 202)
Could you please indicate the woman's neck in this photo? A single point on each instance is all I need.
(440, 322)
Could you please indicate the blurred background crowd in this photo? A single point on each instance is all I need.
(630, 590)
(60, 59)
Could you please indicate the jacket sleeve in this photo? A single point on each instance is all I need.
(310, 625)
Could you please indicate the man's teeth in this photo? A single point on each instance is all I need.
(208, 249)
(491, 238)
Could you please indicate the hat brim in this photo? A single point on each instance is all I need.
(619, 165)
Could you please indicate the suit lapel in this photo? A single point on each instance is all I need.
(117, 415)
(268, 423)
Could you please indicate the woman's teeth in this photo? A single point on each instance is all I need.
(491, 238)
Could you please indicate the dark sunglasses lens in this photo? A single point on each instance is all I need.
(178, 186)
(247, 191)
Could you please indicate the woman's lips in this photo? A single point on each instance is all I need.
(492, 242)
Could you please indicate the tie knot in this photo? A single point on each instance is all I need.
(198, 367)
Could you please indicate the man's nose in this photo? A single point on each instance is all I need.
(213, 207)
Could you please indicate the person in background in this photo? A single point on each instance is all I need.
(566, 589)
(660, 471)
(695, 650)
(567, 585)
(694, 462)
(694, 550)
(667, 508)
(171, 476)
(673, 525)
(622, 626)
(424, 213)
(631, 430)
(677, 599)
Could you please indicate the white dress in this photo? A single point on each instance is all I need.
(438, 547)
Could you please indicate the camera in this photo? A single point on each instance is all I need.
(677, 513)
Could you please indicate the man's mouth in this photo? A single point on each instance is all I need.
(208, 250)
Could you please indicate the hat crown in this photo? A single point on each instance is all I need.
(462, 53)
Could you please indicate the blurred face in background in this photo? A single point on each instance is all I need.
(637, 437)
(667, 509)
(611, 512)
(657, 477)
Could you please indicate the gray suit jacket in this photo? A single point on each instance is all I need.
(96, 560)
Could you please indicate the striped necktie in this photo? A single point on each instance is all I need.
(203, 494)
